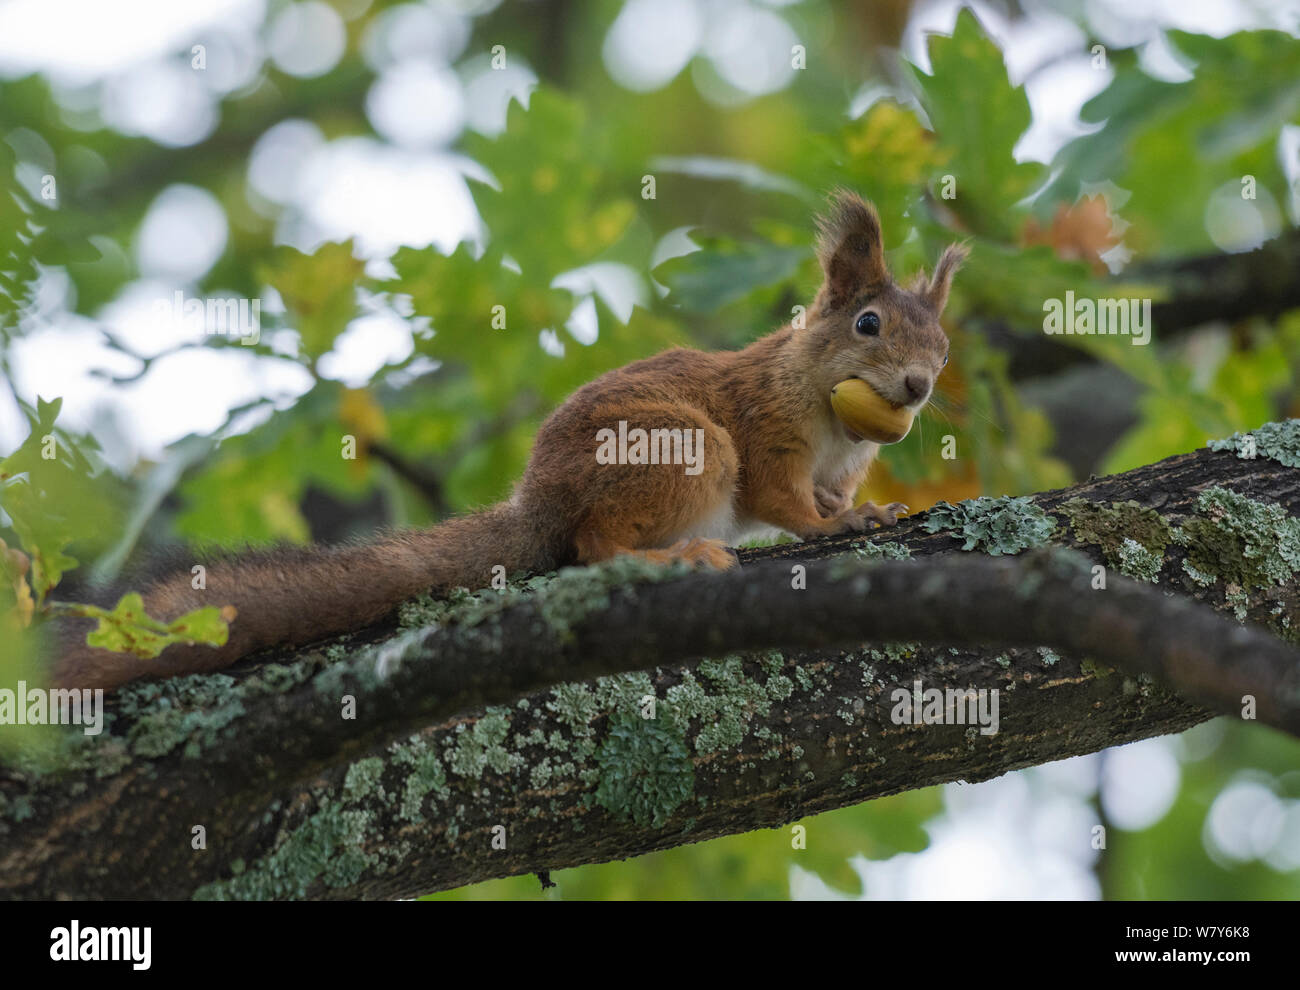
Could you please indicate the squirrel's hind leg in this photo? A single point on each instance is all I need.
(698, 552)
(664, 512)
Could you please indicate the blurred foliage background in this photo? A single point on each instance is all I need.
(451, 214)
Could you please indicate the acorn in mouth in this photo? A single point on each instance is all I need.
(867, 415)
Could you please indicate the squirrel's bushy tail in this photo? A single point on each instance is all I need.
(292, 596)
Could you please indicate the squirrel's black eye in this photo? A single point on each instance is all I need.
(868, 324)
(945, 360)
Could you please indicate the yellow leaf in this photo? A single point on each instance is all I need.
(362, 416)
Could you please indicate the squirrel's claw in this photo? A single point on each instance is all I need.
(886, 516)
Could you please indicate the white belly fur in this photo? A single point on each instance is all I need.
(836, 456)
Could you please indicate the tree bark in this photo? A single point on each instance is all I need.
(429, 786)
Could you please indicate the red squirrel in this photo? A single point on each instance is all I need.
(771, 456)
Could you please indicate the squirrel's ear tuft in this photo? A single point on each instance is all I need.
(936, 293)
(850, 249)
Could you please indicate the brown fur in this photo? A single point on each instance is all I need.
(774, 458)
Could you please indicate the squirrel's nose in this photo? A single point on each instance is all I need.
(918, 387)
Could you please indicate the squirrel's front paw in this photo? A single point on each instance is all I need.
(830, 503)
(886, 516)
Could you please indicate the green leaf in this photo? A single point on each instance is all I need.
(726, 270)
(556, 207)
(464, 297)
(875, 830)
(979, 116)
(30, 232)
(53, 498)
(250, 491)
(128, 629)
(52, 247)
(319, 291)
(1209, 132)
(885, 153)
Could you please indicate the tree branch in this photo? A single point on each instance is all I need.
(1198, 290)
(425, 481)
(795, 716)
